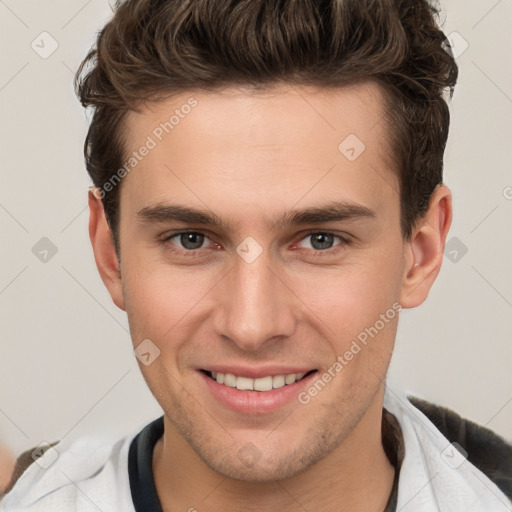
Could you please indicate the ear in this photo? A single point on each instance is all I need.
(424, 252)
(104, 250)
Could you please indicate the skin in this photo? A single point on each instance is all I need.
(248, 158)
(7, 462)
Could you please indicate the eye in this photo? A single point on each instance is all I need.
(322, 241)
(192, 241)
(187, 240)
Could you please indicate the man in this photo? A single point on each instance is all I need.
(267, 198)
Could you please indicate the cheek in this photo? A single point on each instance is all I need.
(159, 298)
(353, 295)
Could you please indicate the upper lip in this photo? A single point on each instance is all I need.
(255, 373)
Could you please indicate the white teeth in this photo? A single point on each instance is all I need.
(263, 384)
(229, 380)
(244, 383)
(290, 379)
(260, 384)
(278, 381)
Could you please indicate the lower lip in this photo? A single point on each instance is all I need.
(255, 402)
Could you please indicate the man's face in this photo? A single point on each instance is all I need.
(259, 295)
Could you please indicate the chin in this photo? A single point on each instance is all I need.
(262, 471)
(244, 461)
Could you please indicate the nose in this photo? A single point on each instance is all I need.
(255, 306)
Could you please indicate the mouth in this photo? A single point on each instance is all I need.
(260, 384)
(256, 391)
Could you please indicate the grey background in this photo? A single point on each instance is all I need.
(66, 362)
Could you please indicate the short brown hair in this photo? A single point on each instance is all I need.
(152, 49)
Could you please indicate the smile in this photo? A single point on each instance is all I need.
(260, 384)
(256, 391)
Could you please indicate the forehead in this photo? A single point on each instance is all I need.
(350, 109)
(237, 144)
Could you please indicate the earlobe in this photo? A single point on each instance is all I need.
(424, 252)
(104, 250)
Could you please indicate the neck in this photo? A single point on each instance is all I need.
(357, 476)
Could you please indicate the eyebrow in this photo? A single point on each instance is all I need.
(332, 211)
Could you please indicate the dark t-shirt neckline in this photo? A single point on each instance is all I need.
(140, 467)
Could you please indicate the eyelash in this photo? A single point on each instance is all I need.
(345, 241)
